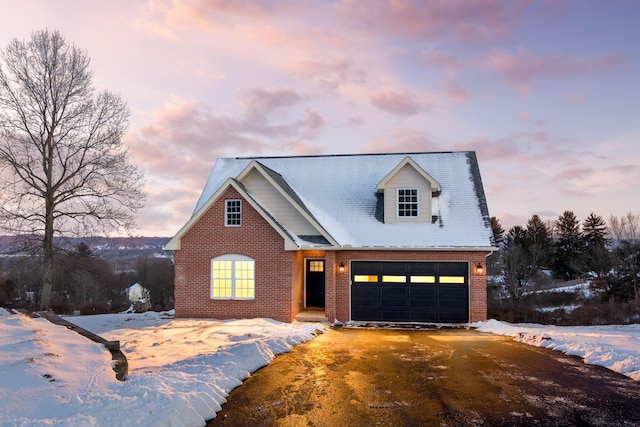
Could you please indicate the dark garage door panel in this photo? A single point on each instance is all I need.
(406, 302)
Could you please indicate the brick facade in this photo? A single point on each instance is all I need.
(276, 269)
(279, 292)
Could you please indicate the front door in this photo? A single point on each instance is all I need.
(314, 288)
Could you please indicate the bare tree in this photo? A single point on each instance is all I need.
(626, 231)
(63, 166)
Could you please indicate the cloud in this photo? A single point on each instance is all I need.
(445, 61)
(163, 17)
(522, 68)
(329, 74)
(397, 103)
(455, 90)
(457, 20)
(263, 102)
(589, 180)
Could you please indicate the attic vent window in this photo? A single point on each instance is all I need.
(407, 202)
(233, 213)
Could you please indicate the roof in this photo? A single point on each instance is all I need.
(338, 194)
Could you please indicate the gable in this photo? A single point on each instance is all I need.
(175, 242)
(405, 166)
(407, 177)
(275, 195)
(278, 206)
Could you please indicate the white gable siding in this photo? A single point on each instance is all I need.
(277, 205)
(407, 177)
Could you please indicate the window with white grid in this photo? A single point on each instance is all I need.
(233, 213)
(407, 202)
(233, 277)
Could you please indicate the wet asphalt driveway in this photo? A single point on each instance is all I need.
(450, 377)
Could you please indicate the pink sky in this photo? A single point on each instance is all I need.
(546, 92)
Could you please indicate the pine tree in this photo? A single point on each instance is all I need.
(538, 241)
(597, 258)
(498, 231)
(569, 247)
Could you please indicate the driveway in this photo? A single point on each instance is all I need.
(454, 377)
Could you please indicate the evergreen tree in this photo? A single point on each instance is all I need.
(597, 259)
(498, 231)
(538, 241)
(569, 247)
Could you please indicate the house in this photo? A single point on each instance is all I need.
(371, 237)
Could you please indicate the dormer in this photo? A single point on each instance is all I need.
(408, 192)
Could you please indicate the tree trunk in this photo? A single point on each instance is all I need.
(47, 273)
(47, 241)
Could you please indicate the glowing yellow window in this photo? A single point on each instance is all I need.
(394, 279)
(316, 266)
(423, 279)
(232, 277)
(452, 279)
(365, 278)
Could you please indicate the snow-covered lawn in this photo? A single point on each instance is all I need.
(180, 371)
(616, 347)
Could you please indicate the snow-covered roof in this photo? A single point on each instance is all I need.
(339, 192)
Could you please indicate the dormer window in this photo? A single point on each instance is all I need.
(407, 202)
(405, 194)
(233, 213)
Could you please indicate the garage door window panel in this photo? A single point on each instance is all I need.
(362, 278)
(394, 279)
(423, 279)
(453, 280)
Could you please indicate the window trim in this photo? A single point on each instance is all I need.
(230, 216)
(417, 204)
(233, 258)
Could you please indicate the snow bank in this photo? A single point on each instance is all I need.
(180, 371)
(616, 347)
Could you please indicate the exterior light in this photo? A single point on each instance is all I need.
(341, 268)
(479, 269)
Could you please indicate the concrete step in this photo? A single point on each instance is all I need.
(311, 316)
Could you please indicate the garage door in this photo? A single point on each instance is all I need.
(410, 291)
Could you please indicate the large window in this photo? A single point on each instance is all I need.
(407, 202)
(233, 277)
(233, 213)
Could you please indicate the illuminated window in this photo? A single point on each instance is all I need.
(407, 202)
(316, 266)
(452, 279)
(394, 279)
(233, 213)
(423, 279)
(233, 277)
(365, 278)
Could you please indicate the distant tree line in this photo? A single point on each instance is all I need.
(84, 282)
(565, 249)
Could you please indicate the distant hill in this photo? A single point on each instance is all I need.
(122, 251)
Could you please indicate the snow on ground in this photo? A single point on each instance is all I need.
(616, 347)
(180, 371)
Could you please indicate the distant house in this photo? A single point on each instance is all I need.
(372, 237)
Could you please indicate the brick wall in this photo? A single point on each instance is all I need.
(209, 238)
